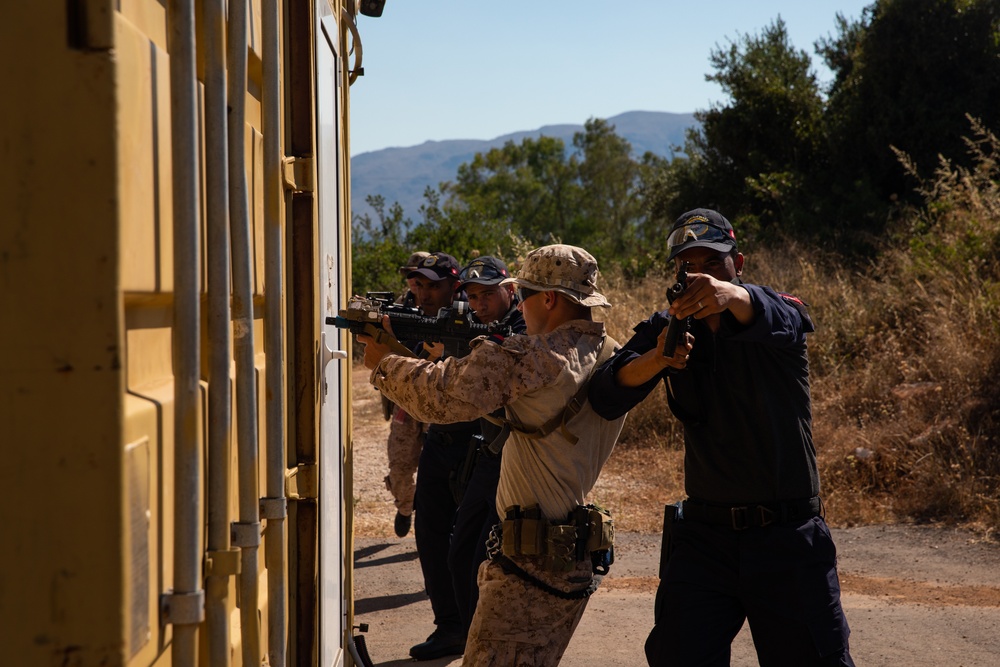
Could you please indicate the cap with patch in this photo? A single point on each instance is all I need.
(436, 266)
(700, 228)
(413, 262)
(562, 268)
(484, 271)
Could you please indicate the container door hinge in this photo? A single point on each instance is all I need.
(298, 174)
(302, 482)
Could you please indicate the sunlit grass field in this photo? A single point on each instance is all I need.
(904, 361)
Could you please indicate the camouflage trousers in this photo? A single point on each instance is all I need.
(406, 439)
(517, 624)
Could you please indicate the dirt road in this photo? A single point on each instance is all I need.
(914, 596)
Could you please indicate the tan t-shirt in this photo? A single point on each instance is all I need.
(533, 377)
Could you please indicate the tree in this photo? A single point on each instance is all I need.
(461, 231)
(378, 248)
(530, 188)
(749, 156)
(539, 193)
(611, 208)
(907, 74)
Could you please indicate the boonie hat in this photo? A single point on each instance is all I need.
(413, 262)
(436, 266)
(484, 271)
(561, 268)
(700, 228)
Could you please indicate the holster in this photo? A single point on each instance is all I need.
(388, 408)
(458, 479)
(670, 516)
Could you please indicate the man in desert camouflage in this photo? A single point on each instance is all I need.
(546, 551)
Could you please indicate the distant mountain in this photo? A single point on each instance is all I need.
(402, 174)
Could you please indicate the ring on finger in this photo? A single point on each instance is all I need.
(700, 305)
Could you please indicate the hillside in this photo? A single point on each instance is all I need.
(402, 174)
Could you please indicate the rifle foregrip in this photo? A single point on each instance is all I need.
(376, 332)
(385, 338)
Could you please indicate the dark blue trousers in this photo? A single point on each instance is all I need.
(434, 516)
(781, 578)
(477, 514)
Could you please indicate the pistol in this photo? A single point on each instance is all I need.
(677, 325)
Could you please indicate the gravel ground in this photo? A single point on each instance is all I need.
(919, 596)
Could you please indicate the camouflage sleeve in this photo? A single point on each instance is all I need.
(456, 389)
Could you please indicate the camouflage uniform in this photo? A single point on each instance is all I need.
(533, 377)
(406, 434)
(406, 438)
(519, 624)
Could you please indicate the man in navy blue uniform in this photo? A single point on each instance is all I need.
(749, 542)
(490, 302)
(436, 284)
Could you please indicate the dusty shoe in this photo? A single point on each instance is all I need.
(402, 524)
(439, 644)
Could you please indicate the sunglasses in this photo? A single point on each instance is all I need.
(523, 293)
(480, 273)
(698, 231)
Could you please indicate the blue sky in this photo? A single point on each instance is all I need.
(478, 69)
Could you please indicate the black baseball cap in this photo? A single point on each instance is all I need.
(484, 271)
(701, 228)
(436, 266)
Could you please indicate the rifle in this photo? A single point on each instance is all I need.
(450, 326)
(674, 329)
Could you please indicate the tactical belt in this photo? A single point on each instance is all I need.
(559, 546)
(751, 516)
(450, 434)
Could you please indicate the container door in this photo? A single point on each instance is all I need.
(333, 605)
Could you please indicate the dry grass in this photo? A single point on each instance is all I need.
(905, 402)
(904, 405)
(904, 360)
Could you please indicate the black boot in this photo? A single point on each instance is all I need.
(402, 524)
(442, 642)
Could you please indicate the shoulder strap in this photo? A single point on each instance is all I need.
(572, 407)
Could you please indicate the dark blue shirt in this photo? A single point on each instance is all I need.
(743, 400)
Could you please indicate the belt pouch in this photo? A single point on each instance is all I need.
(560, 547)
(600, 531)
(530, 537)
(511, 540)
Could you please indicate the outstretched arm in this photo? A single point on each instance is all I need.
(651, 363)
(706, 296)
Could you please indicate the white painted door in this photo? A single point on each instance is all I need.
(333, 605)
